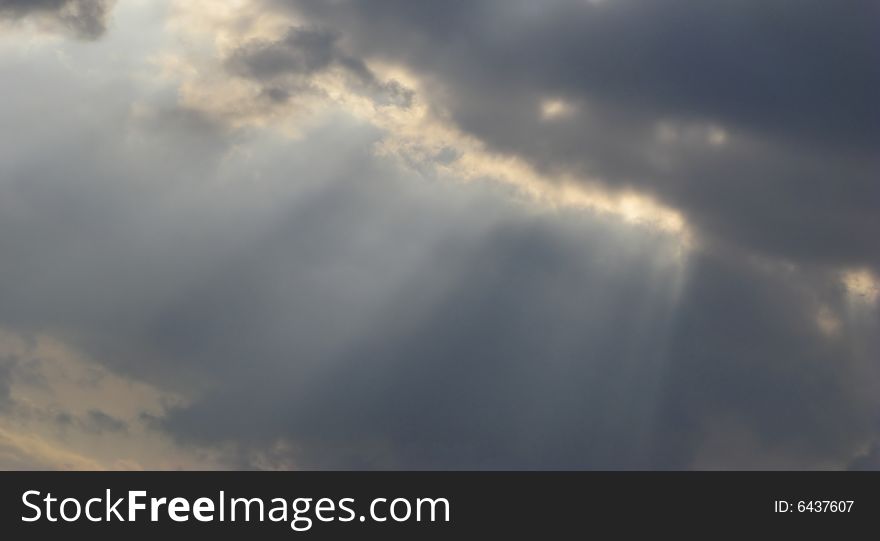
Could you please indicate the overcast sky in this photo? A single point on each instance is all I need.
(477, 234)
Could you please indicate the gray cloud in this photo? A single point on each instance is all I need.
(285, 66)
(302, 51)
(549, 353)
(748, 352)
(84, 18)
(806, 69)
(792, 84)
(100, 421)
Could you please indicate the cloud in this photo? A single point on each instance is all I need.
(20, 452)
(678, 56)
(286, 66)
(545, 353)
(765, 143)
(754, 364)
(65, 411)
(102, 422)
(86, 19)
(302, 51)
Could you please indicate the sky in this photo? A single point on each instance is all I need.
(409, 234)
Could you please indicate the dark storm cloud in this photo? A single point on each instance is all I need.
(285, 66)
(801, 68)
(85, 18)
(546, 351)
(793, 83)
(747, 351)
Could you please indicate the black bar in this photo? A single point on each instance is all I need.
(532, 504)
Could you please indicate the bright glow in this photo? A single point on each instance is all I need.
(716, 136)
(693, 134)
(828, 322)
(555, 108)
(862, 285)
